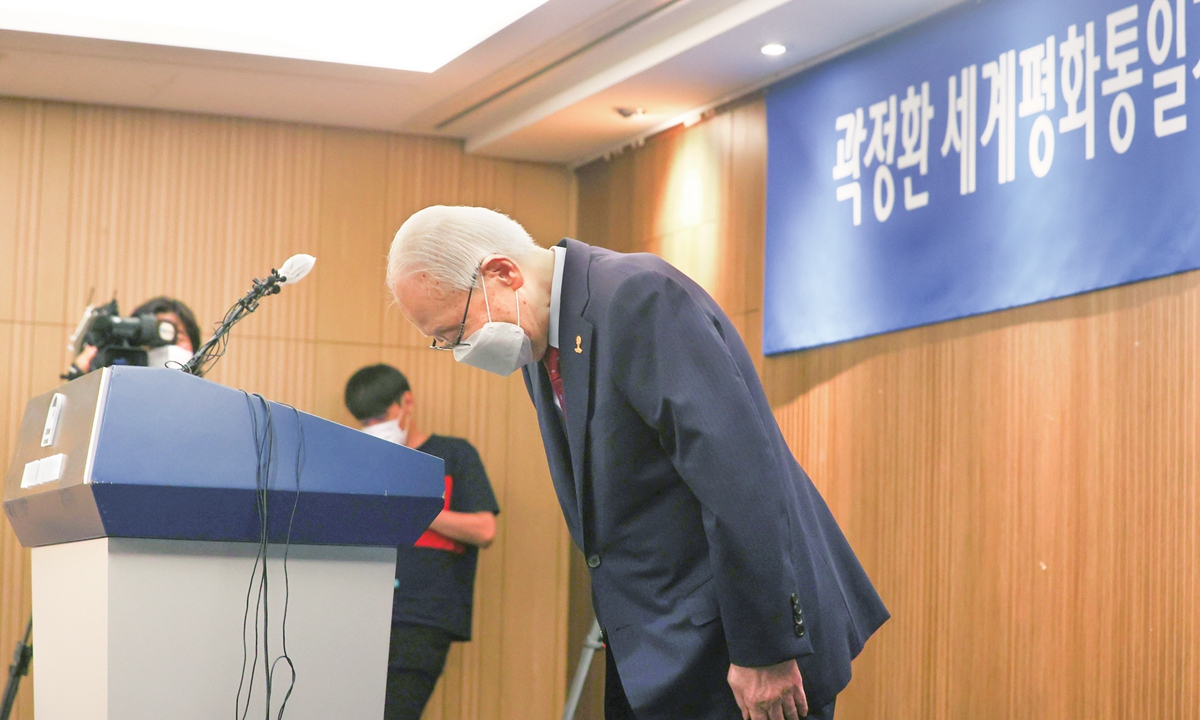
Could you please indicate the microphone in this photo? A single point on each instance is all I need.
(293, 270)
(296, 267)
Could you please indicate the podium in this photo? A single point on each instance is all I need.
(139, 492)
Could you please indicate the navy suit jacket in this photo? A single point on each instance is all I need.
(707, 542)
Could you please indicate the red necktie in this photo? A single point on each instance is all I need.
(551, 363)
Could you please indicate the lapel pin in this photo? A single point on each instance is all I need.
(579, 344)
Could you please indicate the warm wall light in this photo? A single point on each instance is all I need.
(687, 218)
(398, 35)
(773, 49)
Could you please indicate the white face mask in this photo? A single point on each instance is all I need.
(171, 356)
(498, 347)
(389, 430)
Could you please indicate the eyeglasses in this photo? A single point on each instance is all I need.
(462, 325)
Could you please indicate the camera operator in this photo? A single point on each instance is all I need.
(165, 309)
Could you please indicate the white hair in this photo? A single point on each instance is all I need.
(449, 242)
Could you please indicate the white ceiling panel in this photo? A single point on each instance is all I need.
(543, 88)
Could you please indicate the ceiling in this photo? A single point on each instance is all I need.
(544, 88)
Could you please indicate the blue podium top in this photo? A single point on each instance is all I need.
(156, 453)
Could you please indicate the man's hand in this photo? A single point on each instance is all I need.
(83, 361)
(82, 364)
(775, 692)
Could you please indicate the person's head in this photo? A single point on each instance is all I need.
(378, 394)
(446, 244)
(454, 270)
(187, 330)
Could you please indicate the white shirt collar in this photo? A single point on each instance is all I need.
(560, 260)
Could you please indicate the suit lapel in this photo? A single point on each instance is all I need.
(575, 358)
(557, 449)
(576, 369)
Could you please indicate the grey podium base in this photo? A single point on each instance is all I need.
(130, 629)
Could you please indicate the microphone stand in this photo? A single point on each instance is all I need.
(204, 357)
(20, 667)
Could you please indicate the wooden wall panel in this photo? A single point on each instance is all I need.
(354, 235)
(1023, 486)
(145, 203)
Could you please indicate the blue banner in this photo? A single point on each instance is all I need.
(998, 154)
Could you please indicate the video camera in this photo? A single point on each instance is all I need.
(120, 340)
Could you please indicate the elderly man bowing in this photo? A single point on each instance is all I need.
(722, 581)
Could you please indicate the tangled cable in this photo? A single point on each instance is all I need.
(212, 351)
(264, 447)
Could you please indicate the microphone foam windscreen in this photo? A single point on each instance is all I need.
(296, 267)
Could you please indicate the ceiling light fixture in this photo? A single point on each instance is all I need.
(415, 36)
(627, 112)
(773, 49)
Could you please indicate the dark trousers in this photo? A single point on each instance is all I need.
(416, 658)
(616, 705)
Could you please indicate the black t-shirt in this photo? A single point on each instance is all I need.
(435, 579)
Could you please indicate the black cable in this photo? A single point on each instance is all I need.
(264, 446)
(240, 714)
(286, 584)
(264, 541)
(264, 449)
(212, 351)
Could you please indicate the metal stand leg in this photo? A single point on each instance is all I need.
(590, 646)
(19, 667)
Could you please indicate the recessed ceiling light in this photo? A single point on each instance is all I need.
(407, 35)
(773, 49)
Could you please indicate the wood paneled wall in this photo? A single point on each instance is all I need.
(143, 203)
(1023, 487)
